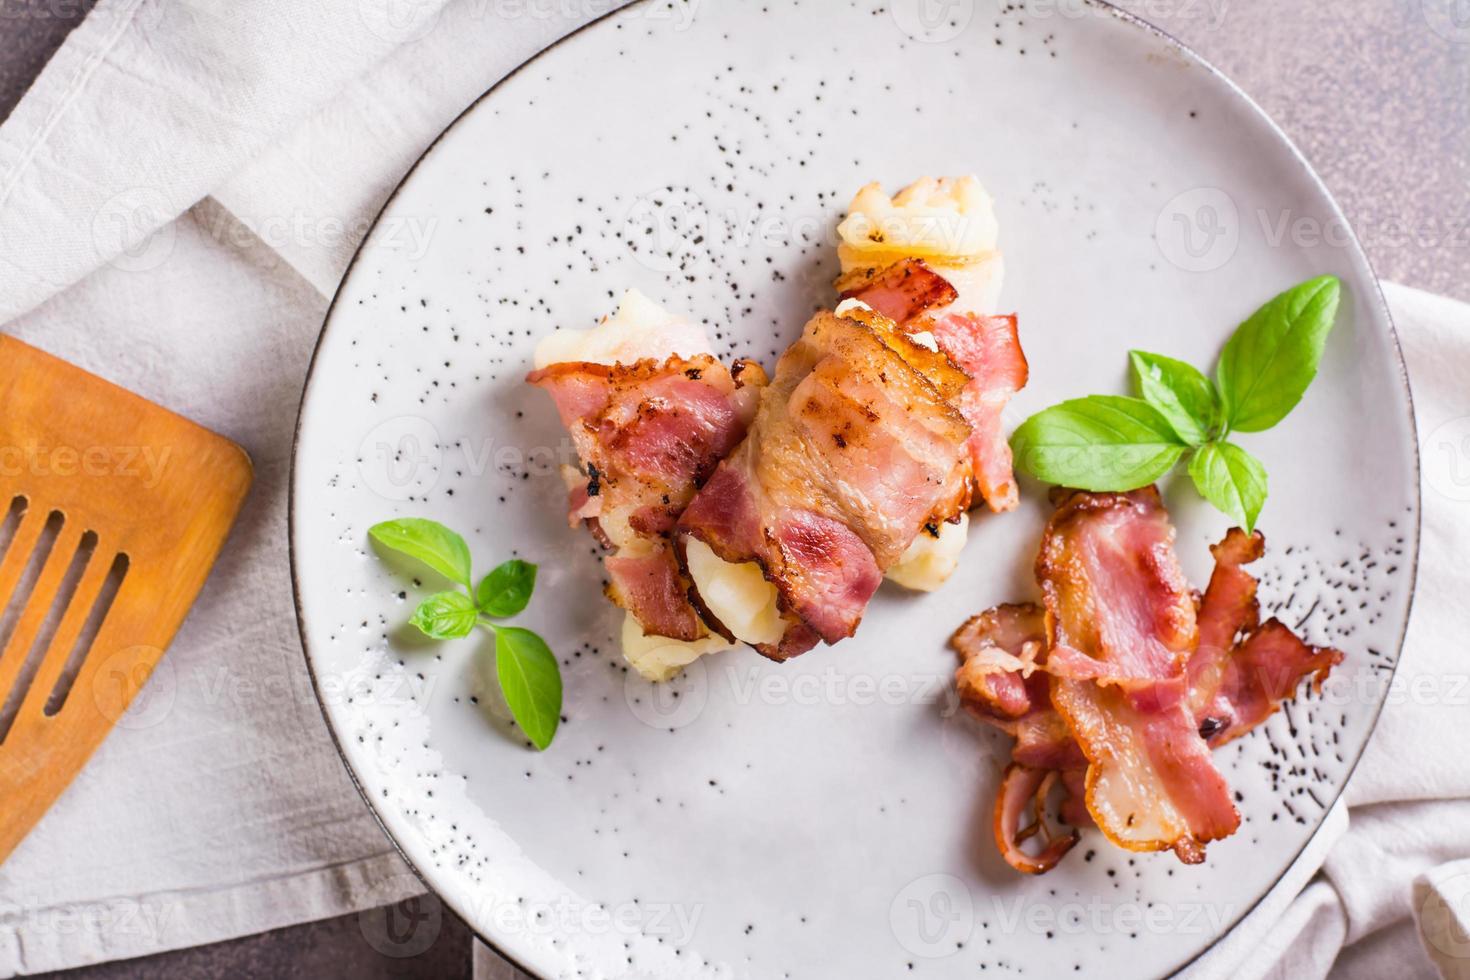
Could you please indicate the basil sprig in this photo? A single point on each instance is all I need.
(529, 675)
(1114, 443)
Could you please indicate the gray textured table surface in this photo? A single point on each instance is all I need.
(1376, 93)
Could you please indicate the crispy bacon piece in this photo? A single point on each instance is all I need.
(998, 652)
(1118, 600)
(652, 589)
(1003, 681)
(1023, 788)
(1121, 688)
(986, 348)
(648, 434)
(1243, 670)
(858, 445)
(903, 292)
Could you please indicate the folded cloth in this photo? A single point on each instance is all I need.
(180, 193)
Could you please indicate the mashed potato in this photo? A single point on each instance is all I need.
(741, 598)
(658, 658)
(930, 561)
(949, 222)
(640, 329)
(738, 595)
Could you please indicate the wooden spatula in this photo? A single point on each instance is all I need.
(112, 511)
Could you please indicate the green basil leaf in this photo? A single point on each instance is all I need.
(1099, 443)
(1231, 479)
(531, 682)
(507, 590)
(430, 542)
(1272, 359)
(1179, 391)
(446, 616)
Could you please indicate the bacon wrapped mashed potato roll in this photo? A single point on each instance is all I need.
(928, 258)
(858, 449)
(651, 411)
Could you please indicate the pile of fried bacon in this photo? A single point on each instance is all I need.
(1119, 687)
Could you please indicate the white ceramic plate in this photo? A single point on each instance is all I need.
(829, 818)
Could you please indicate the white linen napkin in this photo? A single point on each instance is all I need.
(179, 195)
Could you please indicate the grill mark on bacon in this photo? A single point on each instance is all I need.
(902, 292)
(986, 348)
(858, 444)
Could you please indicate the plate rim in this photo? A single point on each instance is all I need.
(1103, 6)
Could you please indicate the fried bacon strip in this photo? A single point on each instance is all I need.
(857, 446)
(1244, 669)
(986, 348)
(648, 434)
(1120, 687)
(1022, 789)
(1118, 603)
(1003, 682)
(903, 292)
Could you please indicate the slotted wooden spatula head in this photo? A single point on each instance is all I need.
(112, 511)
